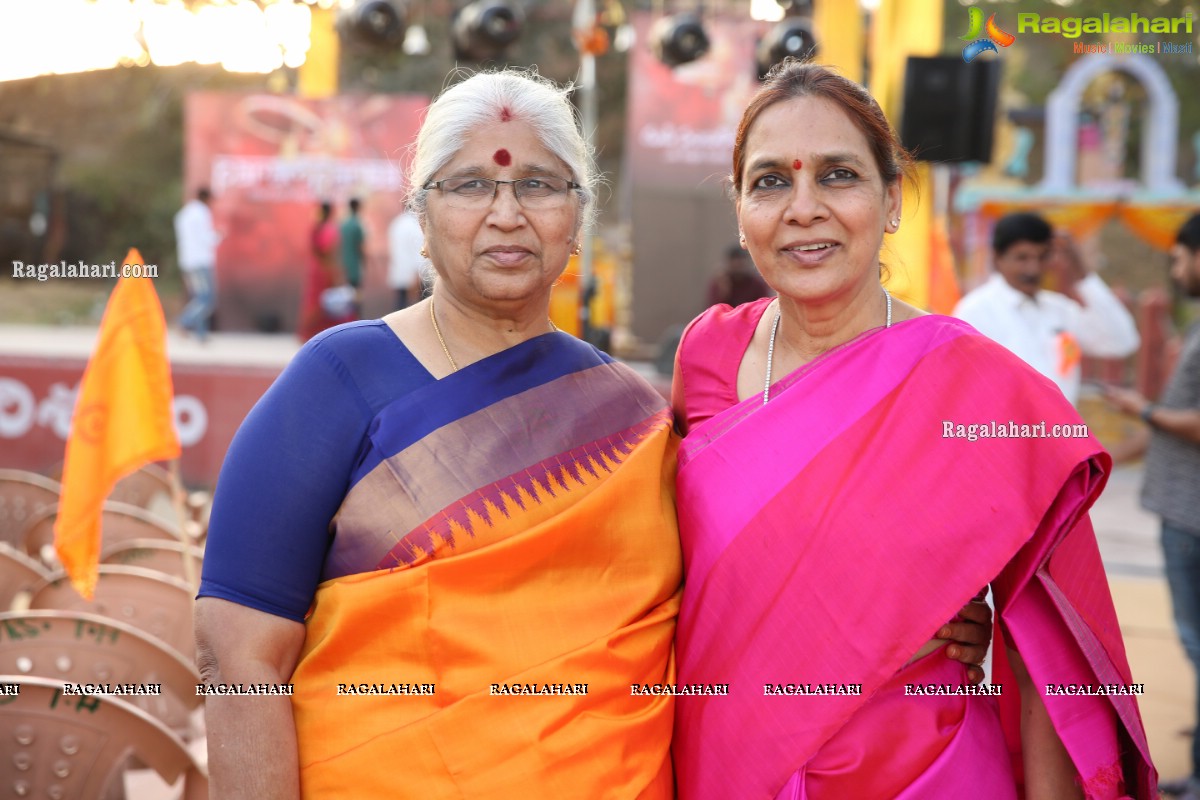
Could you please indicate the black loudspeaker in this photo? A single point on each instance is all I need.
(373, 23)
(679, 39)
(950, 108)
(482, 30)
(793, 37)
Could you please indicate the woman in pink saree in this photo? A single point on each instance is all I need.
(854, 470)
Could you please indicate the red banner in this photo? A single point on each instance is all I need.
(37, 395)
(682, 121)
(679, 153)
(270, 160)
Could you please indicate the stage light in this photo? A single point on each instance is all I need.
(791, 37)
(482, 30)
(679, 39)
(377, 24)
(416, 41)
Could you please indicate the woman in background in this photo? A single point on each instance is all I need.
(318, 309)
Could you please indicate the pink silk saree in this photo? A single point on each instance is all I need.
(830, 533)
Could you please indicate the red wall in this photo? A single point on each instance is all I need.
(37, 396)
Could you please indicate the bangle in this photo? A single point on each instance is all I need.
(1147, 411)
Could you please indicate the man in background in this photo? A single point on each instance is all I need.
(196, 240)
(406, 259)
(739, 282)
(352, 239)
(1171, 486)
(1050, 331)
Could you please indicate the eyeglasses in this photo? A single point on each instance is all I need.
(478, 193)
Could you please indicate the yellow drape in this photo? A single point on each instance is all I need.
(904, 28)
(839, 31)
(318, 75)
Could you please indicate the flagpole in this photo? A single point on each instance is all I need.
(177, 500)
(584, 24)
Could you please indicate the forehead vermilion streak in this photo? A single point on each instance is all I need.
(505, 114)
(502, 157)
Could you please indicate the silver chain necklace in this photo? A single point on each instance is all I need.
(775, 330)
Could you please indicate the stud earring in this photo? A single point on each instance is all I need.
(423, 252)
(577, 249)
(742, 240)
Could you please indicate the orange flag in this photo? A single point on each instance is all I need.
(123, 419)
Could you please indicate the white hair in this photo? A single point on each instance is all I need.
(485, 99)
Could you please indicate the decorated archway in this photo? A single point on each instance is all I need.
(1160, 123)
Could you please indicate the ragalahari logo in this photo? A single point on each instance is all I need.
(994, 37)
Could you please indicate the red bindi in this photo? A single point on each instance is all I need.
(502, 157)
(505, 114)
(797, 164)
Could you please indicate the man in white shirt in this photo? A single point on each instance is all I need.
(1050, 331)
(196, 240)
(406, 259)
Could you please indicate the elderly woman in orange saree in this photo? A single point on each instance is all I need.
(452, 530)
(854, 500)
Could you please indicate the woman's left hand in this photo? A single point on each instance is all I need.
(970, 635)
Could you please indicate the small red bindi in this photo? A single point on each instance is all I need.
(797, 164)
(502, 157)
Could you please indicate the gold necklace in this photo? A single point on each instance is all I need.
(438, 331)
(775, 330)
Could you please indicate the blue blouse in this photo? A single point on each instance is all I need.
(290, 465)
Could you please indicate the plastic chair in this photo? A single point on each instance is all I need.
(155, 554)
(18, 574)
(137, 488)
(79, 647)
(22, 496)
(199, 503)
(76, 746)
(149, 601)
(119, 522)
(150, 487)
(143, 487)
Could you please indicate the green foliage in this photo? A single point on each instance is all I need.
(119, 134)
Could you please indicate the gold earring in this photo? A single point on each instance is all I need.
(423, 252)
(577, 249)
(742, 240)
